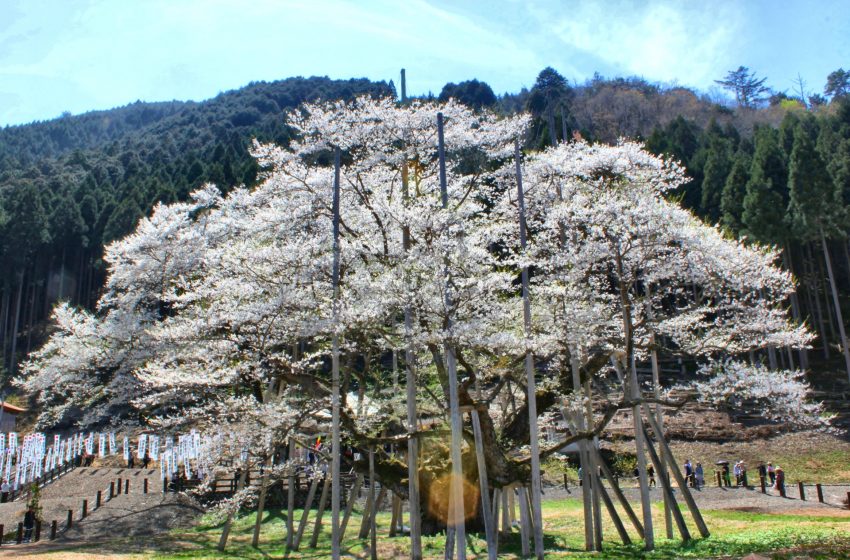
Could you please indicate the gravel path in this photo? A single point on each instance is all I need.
(741, 499)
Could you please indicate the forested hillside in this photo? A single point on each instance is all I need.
(777, 171)
(70, 185)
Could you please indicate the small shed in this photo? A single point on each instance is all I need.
(9, 416)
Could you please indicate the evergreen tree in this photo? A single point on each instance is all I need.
(471, 93)
(749, 90)
(765, 201)
(714, 173)
(550, 97)
(734, 191)
(813, 206)
(122, 220)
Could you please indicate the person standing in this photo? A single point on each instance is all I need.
(650, 470)
(29, 523)
(727, 480)
(771, 472)
(699, 475)
(762, 471)
(130, 459)
(780, 480)
(689, 473)
(5, 488)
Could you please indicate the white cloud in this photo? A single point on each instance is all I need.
(664, 41)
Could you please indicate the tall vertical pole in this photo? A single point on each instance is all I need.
(335, 444)
(656, 387)
(640, 443)
(536, 514)
(584, 461)
(410, 365)
(403, 86)
(456, 508)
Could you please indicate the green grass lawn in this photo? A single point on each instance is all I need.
(734, 534)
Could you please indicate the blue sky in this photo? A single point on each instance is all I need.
(82, 55)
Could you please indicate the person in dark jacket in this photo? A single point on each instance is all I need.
(29, 524)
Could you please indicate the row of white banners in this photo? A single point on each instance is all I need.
(28, 460)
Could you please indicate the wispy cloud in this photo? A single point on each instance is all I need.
(57, 55)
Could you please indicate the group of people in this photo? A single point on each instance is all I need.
(739, 469)
(774, 474)
(694, 475)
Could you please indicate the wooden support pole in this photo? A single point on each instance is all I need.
(495, 514)
(667, 489)
(410, 366)
(85, 511)
(290, 497)
(612, 513)
(37, 530)
(366, 514)
(819, 488)
(53, 527)
(395, 512)
(323, 502)
(145, 486)
(524, 521)
(484, 486)
(20, 537)
(69, 522)
(97, 499)
(576, 424)
(456, 517)
(506, 516)
(373, 527)
(596, 484)
(719, 478)
(618, 493)
(530, 383)
(802, 490)
(261, 502)
(352, 497)
(336, 451)
(511, 506)
(311, 494)
(126, 486)
(762, 485)
(640, 444)
(683, 487)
